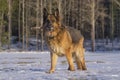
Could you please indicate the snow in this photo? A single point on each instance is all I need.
(34, 65)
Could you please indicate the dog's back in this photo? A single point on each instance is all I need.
(75, 34)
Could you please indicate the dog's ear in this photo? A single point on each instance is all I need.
(57, 15)
(56, 12)
(45, 14)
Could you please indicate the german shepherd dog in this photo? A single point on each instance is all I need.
(63, 40)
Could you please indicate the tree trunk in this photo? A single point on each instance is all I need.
(19, 22)
(93, 25)
(1, 25)
(41, 24)
(50, 6)
(112, 23)
(60, 10)
(37, 24)
(69, 13)
(78, 12)
(9, 23)
(103, 30)
(27, 25)
(23, 25)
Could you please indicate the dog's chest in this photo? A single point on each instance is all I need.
(57, 48)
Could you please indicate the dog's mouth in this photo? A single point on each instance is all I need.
(50, 34)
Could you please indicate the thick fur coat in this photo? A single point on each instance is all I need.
(63, 40)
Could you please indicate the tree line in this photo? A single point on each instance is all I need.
(96, 19)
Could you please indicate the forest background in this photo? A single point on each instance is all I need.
(98, 21)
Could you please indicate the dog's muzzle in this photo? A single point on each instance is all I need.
(50, 28)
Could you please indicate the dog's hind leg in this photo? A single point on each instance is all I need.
(80, 60)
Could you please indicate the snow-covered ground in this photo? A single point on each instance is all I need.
(34, 65)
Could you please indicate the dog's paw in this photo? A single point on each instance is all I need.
(50, 71)
(71, 69)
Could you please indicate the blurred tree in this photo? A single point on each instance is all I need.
(9, 22)
(23, 24)
(3, 11)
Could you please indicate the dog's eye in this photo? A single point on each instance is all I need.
(50, 28)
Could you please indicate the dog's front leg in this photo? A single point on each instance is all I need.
(53, 62)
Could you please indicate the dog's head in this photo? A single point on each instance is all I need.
(52, 23)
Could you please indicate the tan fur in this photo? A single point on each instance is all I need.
(61, 44)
